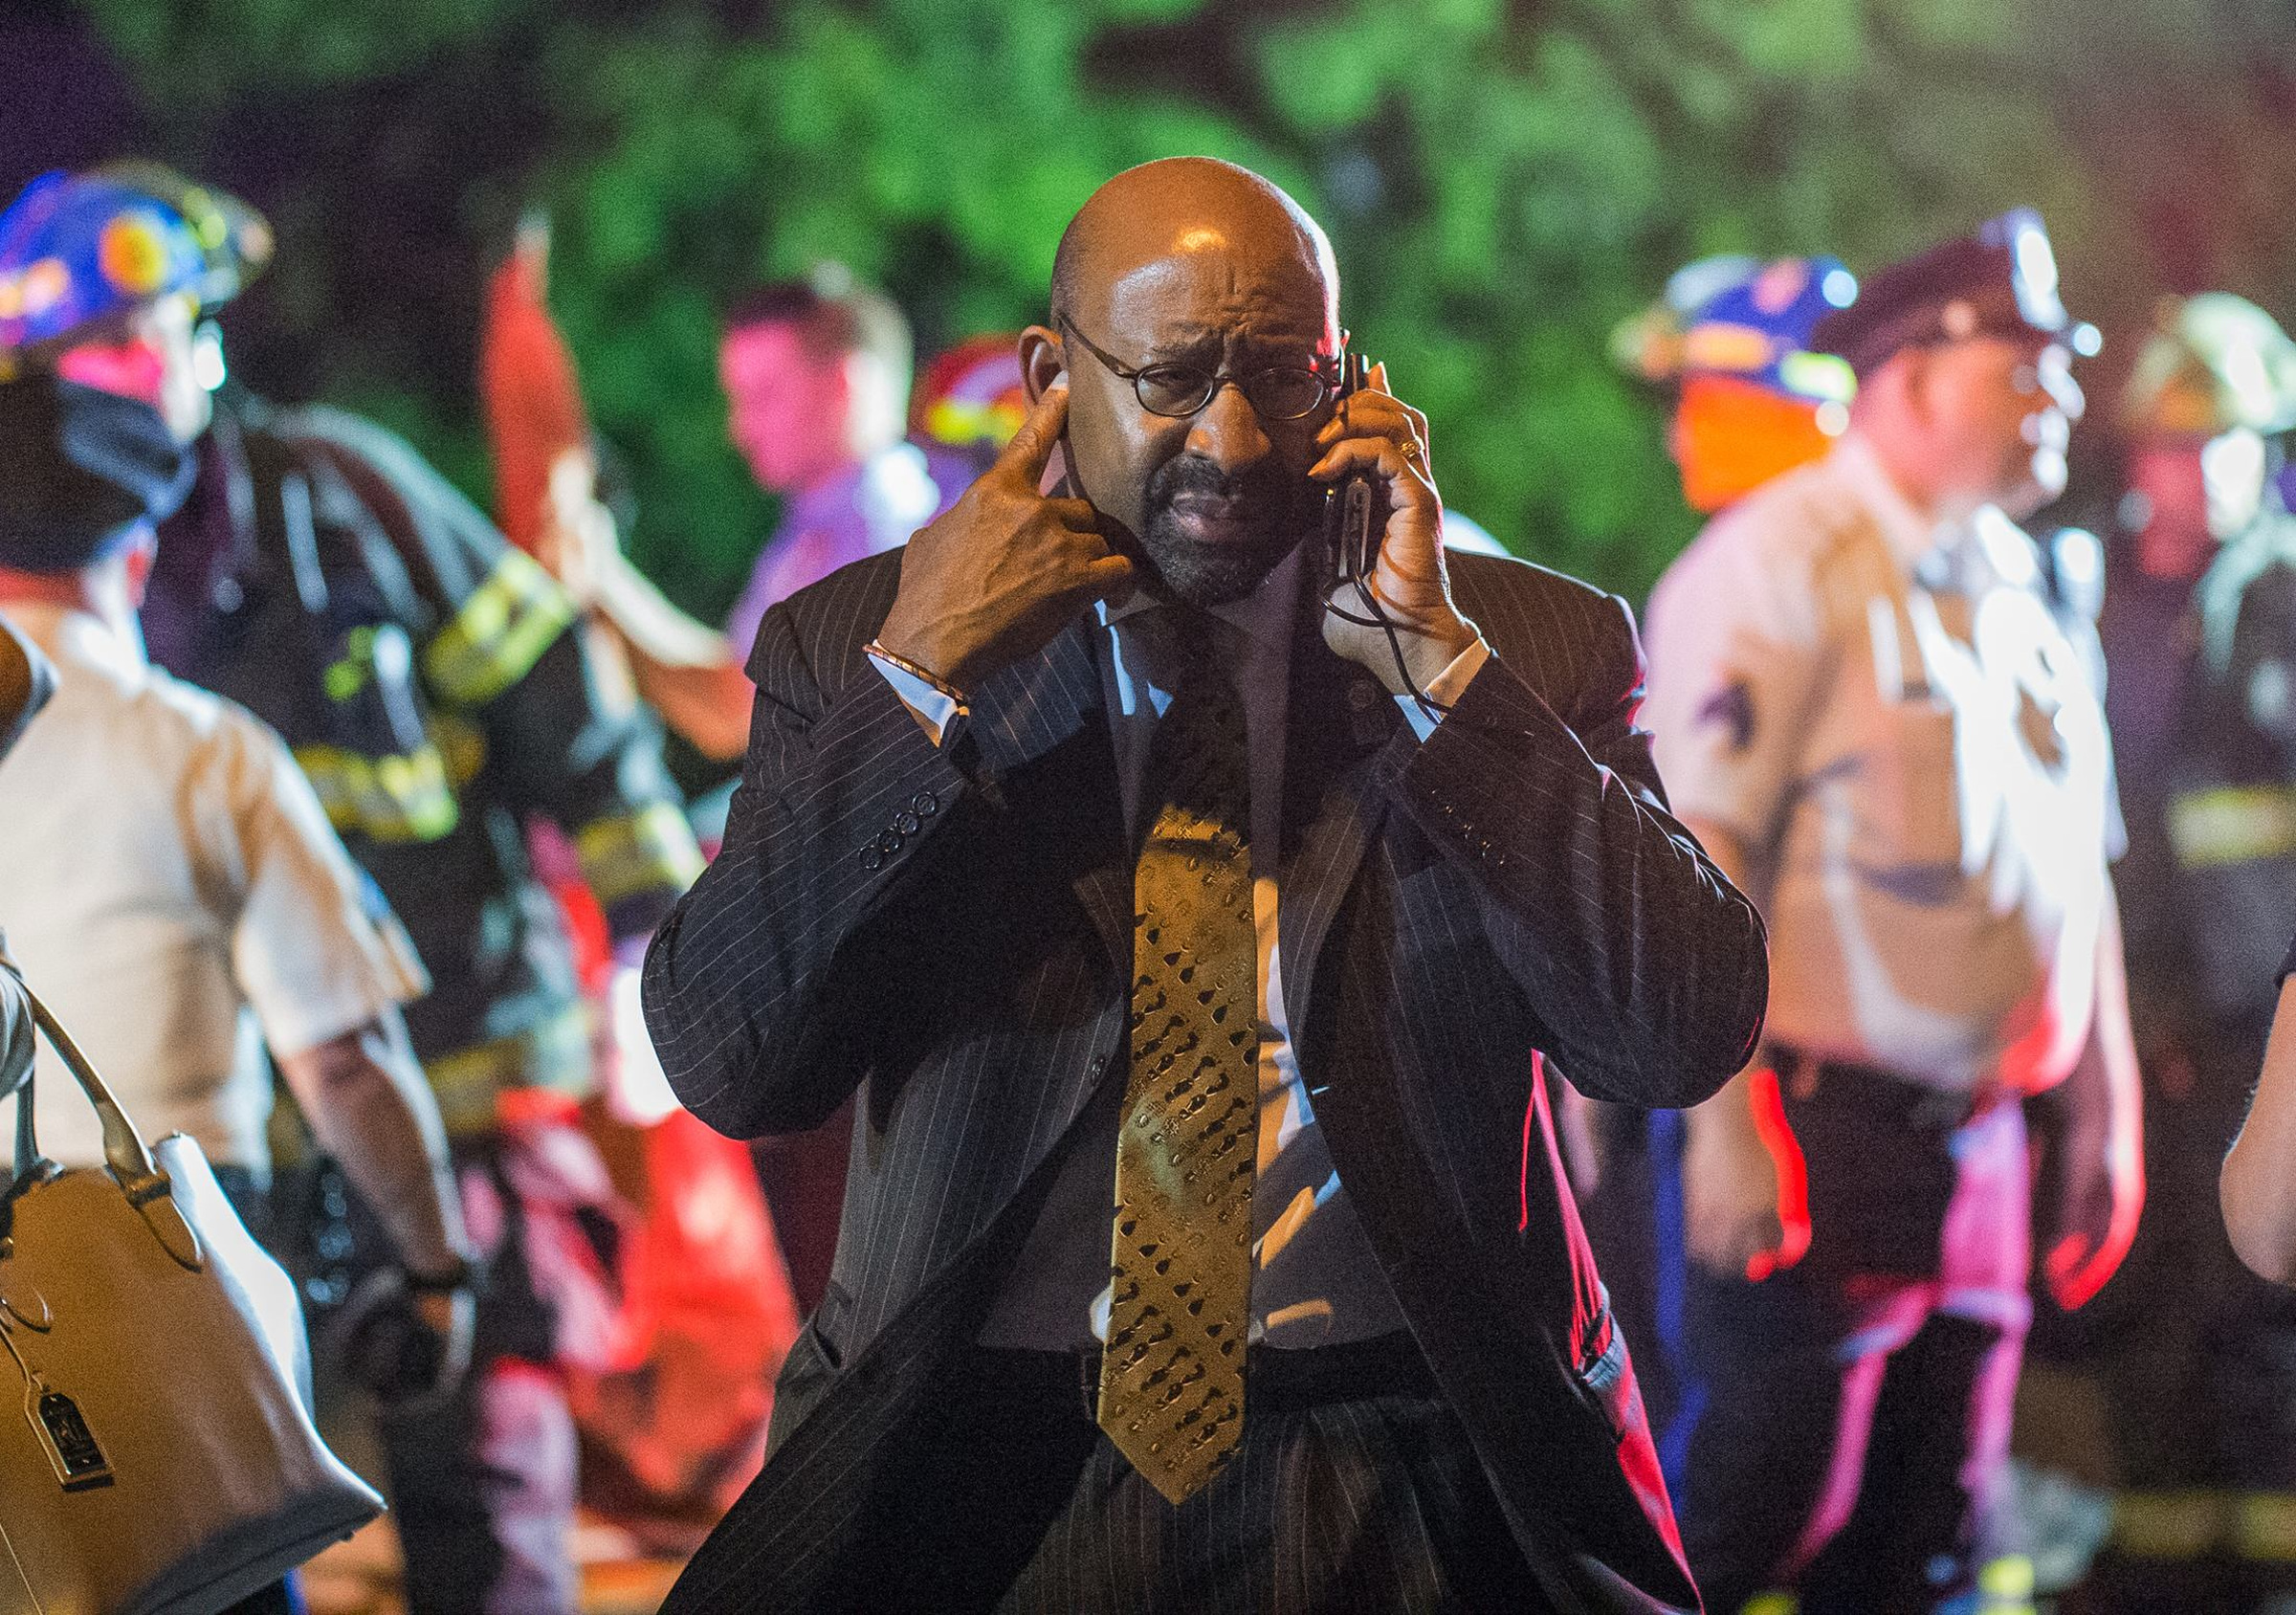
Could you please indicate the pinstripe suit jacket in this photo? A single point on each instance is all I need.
(949, 931)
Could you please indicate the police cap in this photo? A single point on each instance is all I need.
(2001, 280)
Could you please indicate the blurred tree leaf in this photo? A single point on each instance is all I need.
(1502, 182)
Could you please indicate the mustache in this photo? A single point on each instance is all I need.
(1262, 489)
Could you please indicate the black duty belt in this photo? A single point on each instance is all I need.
(1801, 1075)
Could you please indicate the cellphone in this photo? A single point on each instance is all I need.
(1351, 519)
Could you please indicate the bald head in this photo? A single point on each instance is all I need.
(1183, 207)
(1183, 278)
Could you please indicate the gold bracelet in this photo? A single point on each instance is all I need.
(878, 650)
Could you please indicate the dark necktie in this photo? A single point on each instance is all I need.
(1172, 1375)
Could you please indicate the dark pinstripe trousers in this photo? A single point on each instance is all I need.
(1371, 1503)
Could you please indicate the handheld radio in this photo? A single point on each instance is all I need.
(1351, 519)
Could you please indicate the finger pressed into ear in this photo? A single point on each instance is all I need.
(1031, 447)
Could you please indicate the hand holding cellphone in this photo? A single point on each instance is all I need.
(1355, 527)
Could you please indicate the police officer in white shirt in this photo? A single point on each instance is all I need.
(170, 885)
(1868, 713)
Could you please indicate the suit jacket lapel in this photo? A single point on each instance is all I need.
(1053, 703)
(1104, 887)
(1338, 719)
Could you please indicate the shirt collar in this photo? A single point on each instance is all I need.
(890, 477)
(1266, 615)
(1910, 533)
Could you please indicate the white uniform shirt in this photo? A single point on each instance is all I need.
(1314, 1280)
(1889, 718)
(172, 889)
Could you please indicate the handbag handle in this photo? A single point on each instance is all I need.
(141, 1180)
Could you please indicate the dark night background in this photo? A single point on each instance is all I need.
(1504, 179)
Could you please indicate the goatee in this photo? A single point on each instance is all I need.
(1259, 515)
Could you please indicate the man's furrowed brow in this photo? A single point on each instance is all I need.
(1207, 347)
(1185, 345)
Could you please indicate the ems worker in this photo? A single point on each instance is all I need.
(322, 574)
(169, 881)
(1864, 706)
(971, 399)
(1732, 337)
(2199, 631)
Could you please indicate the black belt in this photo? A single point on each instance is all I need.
(1274, 1379)
(1924, 1104)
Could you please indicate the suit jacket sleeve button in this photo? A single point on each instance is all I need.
(906, 822)
(924, 803)
(873, 857)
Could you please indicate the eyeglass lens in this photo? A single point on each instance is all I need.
(1279, 393)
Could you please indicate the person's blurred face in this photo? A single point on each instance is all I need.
(2190, 494)
(155, 355)
(1730, 436)
(1999, 413)
(789, 410)
(1213, 500)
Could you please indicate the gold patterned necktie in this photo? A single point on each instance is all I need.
(1172, 1375)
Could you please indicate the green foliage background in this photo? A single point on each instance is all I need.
(1503, 181)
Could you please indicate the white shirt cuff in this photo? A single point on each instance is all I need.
(1445, 687)
(935, 711)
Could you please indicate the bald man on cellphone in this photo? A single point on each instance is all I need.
(1191, 948)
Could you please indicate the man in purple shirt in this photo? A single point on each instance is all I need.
(816, 374)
